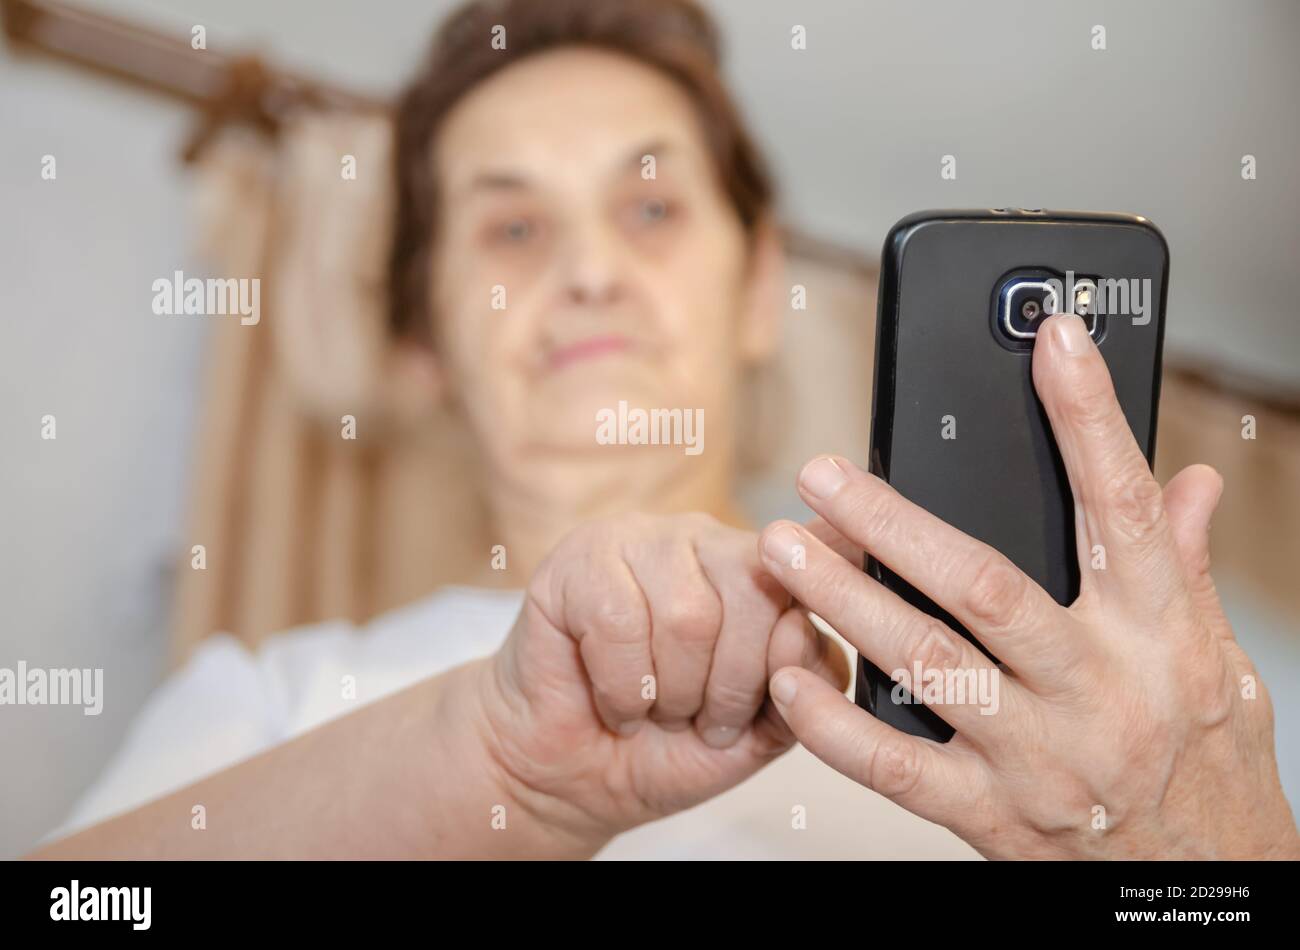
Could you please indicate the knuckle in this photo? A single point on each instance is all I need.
(620, 620)
(895, 768)
(822, 590)
(1217, 707)
(1090, 405)
(1136, 505)
(623, 698)
(1208, 681)
(732, 699)
(872, 509)
(1199, 564)
(936, 648)
(693, 617)
(996, 593)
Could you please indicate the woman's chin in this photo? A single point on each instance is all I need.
(613, 427)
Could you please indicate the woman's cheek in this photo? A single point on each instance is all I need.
(511, 266)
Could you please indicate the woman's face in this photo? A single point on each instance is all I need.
(566, 279)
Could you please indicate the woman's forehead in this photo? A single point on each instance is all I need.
(573, 113)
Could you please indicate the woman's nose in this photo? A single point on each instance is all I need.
(593, 270)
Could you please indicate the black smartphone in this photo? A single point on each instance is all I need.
(957, 427)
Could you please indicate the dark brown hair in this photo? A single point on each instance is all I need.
(676, 37)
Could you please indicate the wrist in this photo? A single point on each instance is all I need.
(479, 730)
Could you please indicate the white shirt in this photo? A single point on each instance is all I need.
(228, 703)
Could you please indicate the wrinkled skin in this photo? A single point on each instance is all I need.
(583, 742)
(1130, 724)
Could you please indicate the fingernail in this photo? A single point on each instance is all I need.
(822, 477)
(779, 544)
(630, 728)
(783, 689)
(720, 737)
(1071, 334)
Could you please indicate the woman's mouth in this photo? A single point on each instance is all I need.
(592, 347)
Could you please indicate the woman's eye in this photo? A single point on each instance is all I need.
(517, 230)
(641, 213)
(653, 210)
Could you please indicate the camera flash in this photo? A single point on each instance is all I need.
(1084, 292)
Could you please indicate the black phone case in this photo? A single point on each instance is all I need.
(1001, 479)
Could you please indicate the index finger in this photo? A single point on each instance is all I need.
(981, 588)
(1118, 502)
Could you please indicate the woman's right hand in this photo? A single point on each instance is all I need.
(1130, 724)
(634, 683)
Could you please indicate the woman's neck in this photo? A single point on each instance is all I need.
(530, 515)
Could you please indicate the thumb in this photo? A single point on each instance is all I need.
(1191, 498)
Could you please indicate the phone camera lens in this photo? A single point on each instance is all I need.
(1022, 304)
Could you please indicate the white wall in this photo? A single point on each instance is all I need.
(858, 123)
(88, 517)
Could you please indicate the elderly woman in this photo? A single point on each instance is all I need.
(582, 223)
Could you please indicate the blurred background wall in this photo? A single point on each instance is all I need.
(856, 125)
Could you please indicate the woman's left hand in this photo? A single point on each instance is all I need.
(1129, 725)
(634, 683)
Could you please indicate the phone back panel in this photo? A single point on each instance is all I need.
(940, 362)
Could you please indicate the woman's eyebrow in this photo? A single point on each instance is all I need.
(653, 147)
(487, 182)
(495, 181)
(498, 180)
